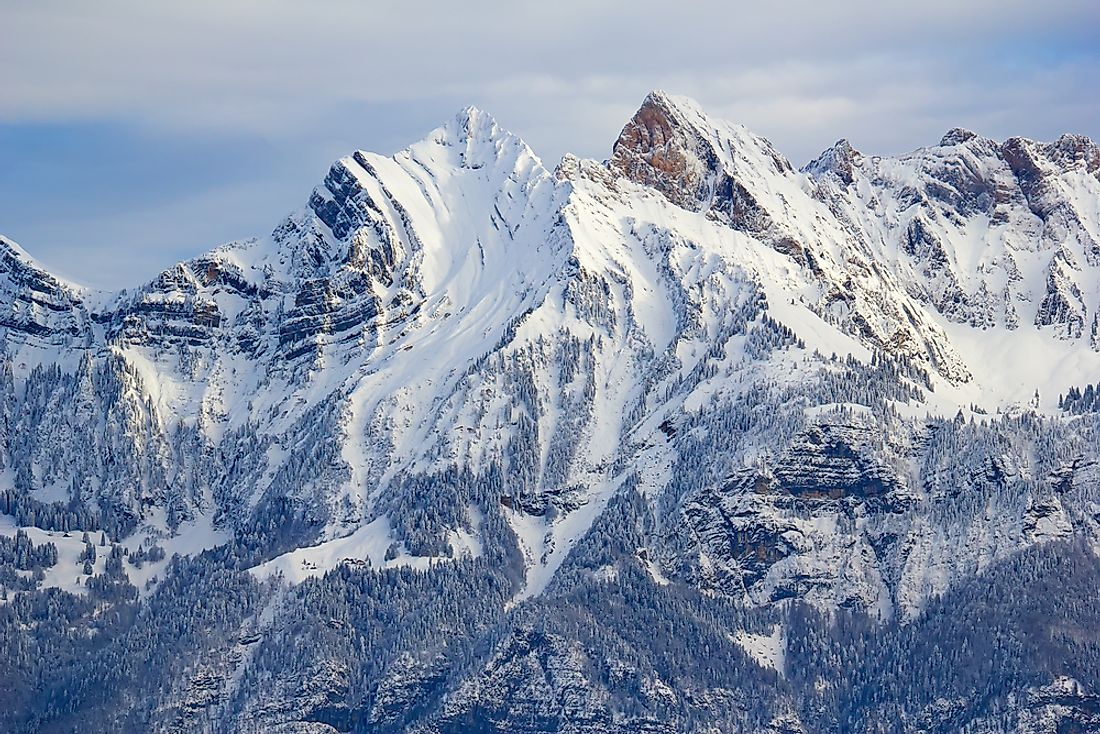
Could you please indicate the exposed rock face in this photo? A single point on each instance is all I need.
(36, 306)
(841, 160)
(655, 150)
(832, 461)
(670, 145)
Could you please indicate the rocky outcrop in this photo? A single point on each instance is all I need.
(35, 306)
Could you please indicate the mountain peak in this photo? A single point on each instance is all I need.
(840, 160)
(471, 124)
(474, 122)
(662, 113)
(1072, 149)
(673, 146)
(480, 139)
(957, 136)
(685, 108)
(663, 146)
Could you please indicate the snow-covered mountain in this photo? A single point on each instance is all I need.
(478, 391)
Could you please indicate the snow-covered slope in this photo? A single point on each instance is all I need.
(456, 346)
(459, 309)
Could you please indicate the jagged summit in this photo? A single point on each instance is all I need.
(1035, 160)
(840, 160)
(956, 136)
(677, 110)
(472, 122)
(673, 146)
(472, 118)
(481, 140)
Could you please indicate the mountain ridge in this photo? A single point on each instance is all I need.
(359, 264)
(690, 374)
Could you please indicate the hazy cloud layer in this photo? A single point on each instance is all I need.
(136, 133)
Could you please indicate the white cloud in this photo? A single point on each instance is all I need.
(279, 65)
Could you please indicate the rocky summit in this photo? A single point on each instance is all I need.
(692, 440)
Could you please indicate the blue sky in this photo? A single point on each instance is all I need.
(135, 134)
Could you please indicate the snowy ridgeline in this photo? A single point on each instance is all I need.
(693, 385)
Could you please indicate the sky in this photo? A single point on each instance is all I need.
(134, 134)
